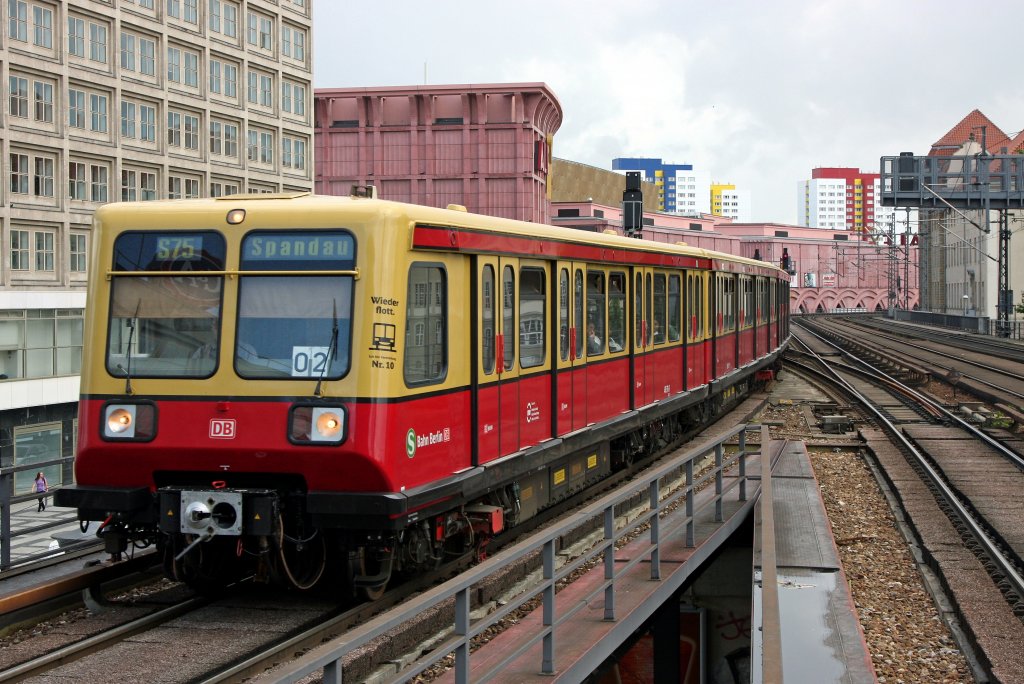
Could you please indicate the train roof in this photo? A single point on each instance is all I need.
(285, 205)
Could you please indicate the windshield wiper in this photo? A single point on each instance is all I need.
(332, 350)
(132, 323)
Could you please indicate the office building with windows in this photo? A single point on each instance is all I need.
(124, 100)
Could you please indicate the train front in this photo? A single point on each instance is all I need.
(212, 330)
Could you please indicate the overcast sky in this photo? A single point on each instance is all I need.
(758, 92)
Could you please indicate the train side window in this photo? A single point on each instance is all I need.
(532, 300)
(638, 310)
(487, 304)
(748, 301)
(700, 308)
(673, 308)
(650, 307)
(658, 310)
(508, 313)
(578, 312)
(595, 313)
(426, 326)
(563, 313)
(730, 303)
(616, 312)
(693, 294)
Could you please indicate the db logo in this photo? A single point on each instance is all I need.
(222, 429)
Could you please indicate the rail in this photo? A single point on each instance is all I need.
(328, 658)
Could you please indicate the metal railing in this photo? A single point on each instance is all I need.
(328, 658)
(8, 499)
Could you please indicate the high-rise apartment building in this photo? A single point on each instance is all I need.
(841, 198)
(681, 189)
(124, 100)
(728, 201)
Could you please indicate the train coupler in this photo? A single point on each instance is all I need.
(218, 512)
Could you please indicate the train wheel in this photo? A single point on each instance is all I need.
(371, 571)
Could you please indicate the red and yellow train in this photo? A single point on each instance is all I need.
(300, 387)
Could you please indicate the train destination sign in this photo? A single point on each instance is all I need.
(298, 246)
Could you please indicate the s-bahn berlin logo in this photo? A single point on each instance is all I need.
(414, 441)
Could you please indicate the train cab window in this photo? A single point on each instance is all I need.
(658, 310)
(674, 300)
(487, 303)
(616, 312)
(296, 323)
(577, 286)
(508, 315)
(595, 313)
(426, 324)
(165, 326)
(532, 317)
(563, 313)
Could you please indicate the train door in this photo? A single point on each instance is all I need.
(643, 366)
(571, 409)
(497, 392)
(698, 358)
(534, 354)
(660, 382)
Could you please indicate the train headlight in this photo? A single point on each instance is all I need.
(317, 425)
(135, 422)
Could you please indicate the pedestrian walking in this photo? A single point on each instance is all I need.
(40, 488)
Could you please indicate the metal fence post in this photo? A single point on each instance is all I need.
(655, 531)
(462, 629)
(548, 660)
(332, 672)
(718, 482)
(743, 464)
(609, 563)
(689, 504)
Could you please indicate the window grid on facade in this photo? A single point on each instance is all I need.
(19, 97)
(42, 26)
(98, 43)
(76, 253)
(44, 251)
(19, 250)
(77, 180)
(76, 37)
(17, 17)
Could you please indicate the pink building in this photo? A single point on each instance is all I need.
(832, 269)
(486, 147)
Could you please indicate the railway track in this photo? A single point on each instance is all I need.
(992, 369)
(972, 476)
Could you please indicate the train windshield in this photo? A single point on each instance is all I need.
(295, 323)
(164, 311)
